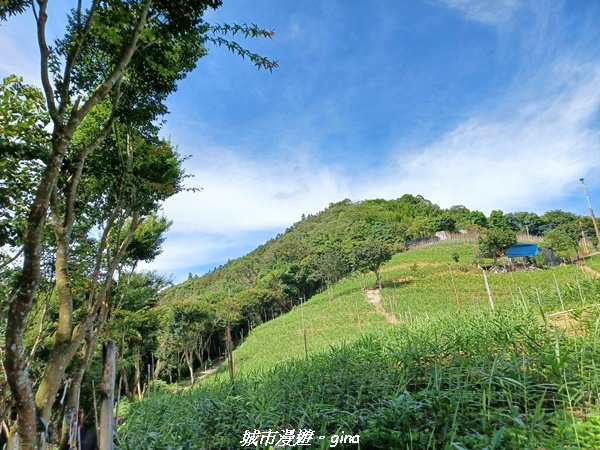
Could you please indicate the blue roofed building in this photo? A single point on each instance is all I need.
(522, 250)
(531, 250)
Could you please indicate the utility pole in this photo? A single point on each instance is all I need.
(591, 210)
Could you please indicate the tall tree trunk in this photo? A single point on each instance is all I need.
(20, 305)
(71, 409)
(125, 383)
(137, 384)
(72, 403)
(189, 359)
(59, 362)
(105, 440)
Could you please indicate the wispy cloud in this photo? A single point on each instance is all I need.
(525, 156)
(241, 194)
(488, 12)
(243, 203)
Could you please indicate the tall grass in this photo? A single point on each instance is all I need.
(522, 376)
(417, 286)
(503, 379)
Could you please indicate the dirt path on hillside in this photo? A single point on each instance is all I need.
(373, 297)
(592, 272)
(210, 371)
(203, 374)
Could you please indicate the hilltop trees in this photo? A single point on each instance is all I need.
(495, 241)
(525, 222)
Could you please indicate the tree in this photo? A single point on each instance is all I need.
(419, 227)
(559, 240)
(495, 241)
(477, 218)
(525, 222)
(329, 266)
(370, 256)
(147, 240)
(565, 237)
(444, 222)
(186, 333)
(254, 305)
(121, 60)
(556, 217)
(23, 146)
(497, 219)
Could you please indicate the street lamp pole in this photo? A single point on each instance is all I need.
(591, 210)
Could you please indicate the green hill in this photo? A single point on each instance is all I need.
(316, 252)
(432, 359)
(419, 370)
(417, 286)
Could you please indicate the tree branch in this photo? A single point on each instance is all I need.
(41, 19)
(11, 259)
(74, 54)
(117, 72)
(76, 175)
(81, 330)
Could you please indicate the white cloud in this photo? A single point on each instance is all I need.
(529, 156)
(488, 12)
(240, 194)
(240, 197)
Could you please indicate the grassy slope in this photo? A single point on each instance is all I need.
(483, 379)
(417, 285)
(476, 378)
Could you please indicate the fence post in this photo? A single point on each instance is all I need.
(454, 287)
(487, 288)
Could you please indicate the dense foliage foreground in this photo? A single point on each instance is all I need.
(512, 378)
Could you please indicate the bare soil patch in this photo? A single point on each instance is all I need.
(373, 297)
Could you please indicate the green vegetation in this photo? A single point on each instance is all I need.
(594, 263)
(417, 286)
(312, 279)
(521, 375)
(509, 378)
(350, 237)
(84, 169)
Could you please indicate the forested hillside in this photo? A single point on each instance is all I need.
(315, 253)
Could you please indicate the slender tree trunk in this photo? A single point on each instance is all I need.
(189, 359)
(72, 404)
(105, 440)
(137, 375)
(378, 279)
(71, 408)
(158, 368)
(20, 305)
(62, 355)
(125, 383)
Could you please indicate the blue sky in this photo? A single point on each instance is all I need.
(489, 104)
